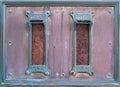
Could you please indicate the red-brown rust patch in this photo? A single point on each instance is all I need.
(37, 44)
(82, 42)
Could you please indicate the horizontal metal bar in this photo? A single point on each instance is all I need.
(57, 3)
(61, 82)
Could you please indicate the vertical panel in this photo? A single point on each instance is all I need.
(117, 52)
(56, 41)
(1, 65)
(82, 41)
(17, 43)
(37, 44)
(65, 30)
(103, 43)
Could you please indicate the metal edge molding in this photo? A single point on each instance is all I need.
(0, 41)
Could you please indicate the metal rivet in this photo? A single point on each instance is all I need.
(63, 74)
(10, 43)
(109, 12)
(109, 75)
(48, 12)
(57, 74)
(93, 13)
(10, 11)
(110, 43)
(10, 75)
(28, 12)
(73, 72)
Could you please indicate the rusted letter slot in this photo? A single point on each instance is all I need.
(37, 28)
(82, 43)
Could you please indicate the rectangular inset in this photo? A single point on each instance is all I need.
(37, 44)
(82, 44)
(37, 27)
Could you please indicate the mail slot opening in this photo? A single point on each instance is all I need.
(37, 28)
(37, 44)
(82, 44)
(40, 21)
(80, 21)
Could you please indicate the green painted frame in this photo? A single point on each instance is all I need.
(1, 63)
(41, 18)
(79, 18)
(35, 3)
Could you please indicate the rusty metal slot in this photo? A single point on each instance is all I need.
(37, 44)
(82, 43)
(37, 28)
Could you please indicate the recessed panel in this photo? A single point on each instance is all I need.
(82, 44)
(37, 44)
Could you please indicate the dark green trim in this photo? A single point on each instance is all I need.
(46, 82)
(36, 3)
(56, 3)
(116, 43)
(4, 42)
(1, 43)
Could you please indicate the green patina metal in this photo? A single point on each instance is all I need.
(3, 39)
(1, 63)
(36, 3)
(80, 18)
(41, 18)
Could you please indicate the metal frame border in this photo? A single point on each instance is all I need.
(78, 19)
(43, 19)
(35, 3)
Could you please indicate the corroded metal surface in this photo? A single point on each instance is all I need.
(82, 44)
(59, 40)
(37, 44)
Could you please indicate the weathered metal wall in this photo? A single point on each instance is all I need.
(74, 86)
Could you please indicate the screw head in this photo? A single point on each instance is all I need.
(10, 11)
